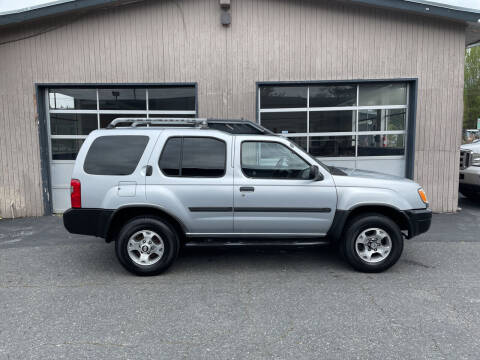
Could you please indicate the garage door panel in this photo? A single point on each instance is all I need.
(72, 113)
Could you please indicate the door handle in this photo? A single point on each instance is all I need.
(247, 189)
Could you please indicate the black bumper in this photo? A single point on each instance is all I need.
(419, 221)
(92, 222)
(469, 187)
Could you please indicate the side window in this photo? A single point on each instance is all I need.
(170, 159)
(270, 160)
(193, 157)
(115, 155)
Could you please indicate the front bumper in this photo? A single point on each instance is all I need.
(419, 221)
(469, 187)
(470, 176)
(92, 222)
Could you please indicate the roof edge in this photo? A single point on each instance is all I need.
(33, 7)
(48, 9)
(426, 8)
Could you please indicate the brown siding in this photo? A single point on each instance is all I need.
(269, 40)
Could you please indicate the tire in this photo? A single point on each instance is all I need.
(141, 233)
(473, 195)
(377, 255)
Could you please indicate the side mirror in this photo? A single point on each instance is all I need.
(315, 173)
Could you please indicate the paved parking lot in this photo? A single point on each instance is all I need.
(65, 296)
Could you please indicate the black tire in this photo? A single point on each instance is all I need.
(169, 236)
(473, 195)
(361, 223)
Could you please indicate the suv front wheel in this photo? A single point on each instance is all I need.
(372, 243)
(147, 246)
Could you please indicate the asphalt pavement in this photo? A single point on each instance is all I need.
(64, 296)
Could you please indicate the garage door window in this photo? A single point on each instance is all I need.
(74, 112)
(339, 120)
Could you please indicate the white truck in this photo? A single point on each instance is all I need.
(470, 170)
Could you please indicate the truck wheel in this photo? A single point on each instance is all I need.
(147, 246)
(473, 195)
(372, 243)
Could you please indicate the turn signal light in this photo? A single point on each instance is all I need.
(423, 196)
(76, 193)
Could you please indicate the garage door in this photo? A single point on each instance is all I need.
(356, 125)
(74, 112)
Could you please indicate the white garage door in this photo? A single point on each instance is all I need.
(72, 113)
(356, 125)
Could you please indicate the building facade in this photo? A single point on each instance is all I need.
(357, 86)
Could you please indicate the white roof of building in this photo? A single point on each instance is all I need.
(425, 7)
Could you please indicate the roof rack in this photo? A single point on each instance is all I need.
(230, 126)
(135, 122)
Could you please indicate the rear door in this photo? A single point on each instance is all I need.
(192, 179)
(274, 193)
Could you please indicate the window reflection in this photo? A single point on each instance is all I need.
(171, 98)
(65, 149)
(382, 94)
(333, 95)
(283, 96)
(122, 99)
(106, 119)
(300, 141)
(381, 145)
(285, 123)
(72, 124)
(334, 146)
(381, 119)
(72, 99)
(332, 121)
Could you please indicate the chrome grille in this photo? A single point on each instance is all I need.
(465, 159)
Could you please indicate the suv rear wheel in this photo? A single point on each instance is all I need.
(372, 243)
(147, 245)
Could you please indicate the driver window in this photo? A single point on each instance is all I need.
(271, 160)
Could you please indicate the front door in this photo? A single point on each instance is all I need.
(274, 192)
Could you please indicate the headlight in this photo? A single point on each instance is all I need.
(475, 159)
(423, 196)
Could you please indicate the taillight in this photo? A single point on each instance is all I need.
(76, 193)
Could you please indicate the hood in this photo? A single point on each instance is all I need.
(358, 173)
(376, 187)
(473, 146)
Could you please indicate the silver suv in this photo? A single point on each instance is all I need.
(155, 185)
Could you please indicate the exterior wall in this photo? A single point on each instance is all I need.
(269, 40)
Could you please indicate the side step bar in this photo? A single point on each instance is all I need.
(243, 243)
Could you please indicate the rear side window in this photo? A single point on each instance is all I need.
(170, 159)
(115, 155)
(193, 157)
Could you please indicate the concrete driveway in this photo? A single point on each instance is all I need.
(66, 296)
